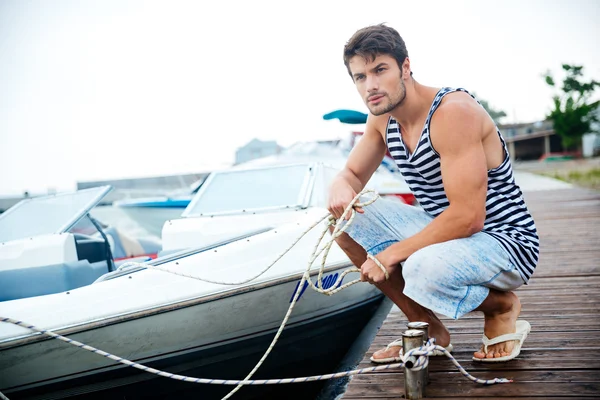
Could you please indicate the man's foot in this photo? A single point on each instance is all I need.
(498, 324)
(391, 353)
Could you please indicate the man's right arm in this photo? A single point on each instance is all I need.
(363, 161)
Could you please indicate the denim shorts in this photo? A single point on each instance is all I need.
(451, 278)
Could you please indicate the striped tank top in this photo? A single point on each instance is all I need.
(507, 218)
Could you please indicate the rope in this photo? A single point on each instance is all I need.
(337, 231)
(339, 228)
(420, 357)
(428, 350)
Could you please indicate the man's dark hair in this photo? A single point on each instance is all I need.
(373, 41)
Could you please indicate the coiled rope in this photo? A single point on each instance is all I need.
(338, 229)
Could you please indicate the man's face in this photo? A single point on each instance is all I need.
(379, 83)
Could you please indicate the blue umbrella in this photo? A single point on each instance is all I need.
(347, 116)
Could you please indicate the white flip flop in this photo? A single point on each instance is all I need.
(398, 342)
(523, 329)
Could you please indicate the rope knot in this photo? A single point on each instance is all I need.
(418, 358)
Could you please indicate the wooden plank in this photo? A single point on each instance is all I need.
(387, 378)
(561, 356)
(471, 398)
(549, 364)
(539, 320)
(468, 389)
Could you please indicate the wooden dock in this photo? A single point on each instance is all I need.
(561, 356)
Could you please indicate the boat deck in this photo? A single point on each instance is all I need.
(561, 356)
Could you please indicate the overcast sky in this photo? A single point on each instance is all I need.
(108, 89)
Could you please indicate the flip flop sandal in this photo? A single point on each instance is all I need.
(398, 342)
(523, 329)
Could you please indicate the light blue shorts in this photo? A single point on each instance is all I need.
(451, 278)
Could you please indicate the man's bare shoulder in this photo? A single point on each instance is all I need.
(459, 104)
(459, 110)
(458, 120)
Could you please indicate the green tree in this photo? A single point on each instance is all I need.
(573, 113)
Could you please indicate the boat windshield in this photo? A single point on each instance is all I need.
(48, 214)
(256, 189)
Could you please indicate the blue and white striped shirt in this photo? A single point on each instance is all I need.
(507, 218)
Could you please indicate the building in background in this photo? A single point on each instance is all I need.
(591, 141)
(531, 140)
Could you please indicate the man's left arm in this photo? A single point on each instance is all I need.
(457, 138)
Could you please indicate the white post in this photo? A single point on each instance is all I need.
(547, 144)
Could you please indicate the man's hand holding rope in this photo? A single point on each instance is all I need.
(374, 271)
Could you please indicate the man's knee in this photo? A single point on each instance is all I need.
(423, 269)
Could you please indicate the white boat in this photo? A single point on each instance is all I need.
(184, 325)
(150, 213)
(55, 240)
(257, 195)
(384, 181)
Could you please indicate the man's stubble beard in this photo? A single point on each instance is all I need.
(392, 104)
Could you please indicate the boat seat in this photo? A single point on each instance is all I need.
(19, 283)
(91, 248)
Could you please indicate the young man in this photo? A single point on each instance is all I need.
(473, 241)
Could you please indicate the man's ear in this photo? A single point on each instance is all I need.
(406, 67)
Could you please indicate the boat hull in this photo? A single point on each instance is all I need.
(220, 338)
